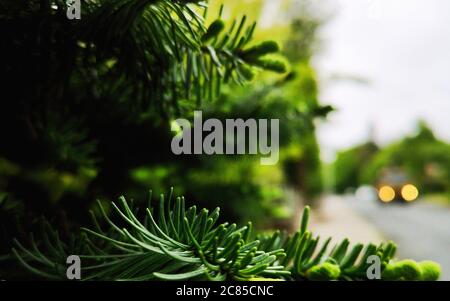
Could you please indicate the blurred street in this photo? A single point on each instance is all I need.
(420, 229)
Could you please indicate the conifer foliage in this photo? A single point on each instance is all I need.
(172, 242)
(85, 102)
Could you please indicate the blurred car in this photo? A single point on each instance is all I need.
(394, 185)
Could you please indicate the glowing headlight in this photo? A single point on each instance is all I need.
(386, 194)
(409, 192)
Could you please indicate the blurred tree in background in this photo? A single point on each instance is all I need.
(424, 158)
(349, 166)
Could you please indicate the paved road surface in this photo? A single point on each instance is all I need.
(421, 230)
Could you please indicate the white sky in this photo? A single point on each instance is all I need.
(402, 48)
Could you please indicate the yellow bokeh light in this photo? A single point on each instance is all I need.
(386, 193)
(409, 192)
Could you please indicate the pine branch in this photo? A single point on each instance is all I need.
(172, 242)
(143, 53)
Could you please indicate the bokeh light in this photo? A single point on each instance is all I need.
(386, 193)
(409, 192)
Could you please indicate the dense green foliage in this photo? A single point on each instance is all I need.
(86, 104)
(101, 93)
(172, 242)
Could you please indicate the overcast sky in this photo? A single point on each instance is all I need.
(402, 48)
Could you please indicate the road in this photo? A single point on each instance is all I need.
(420, 229)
